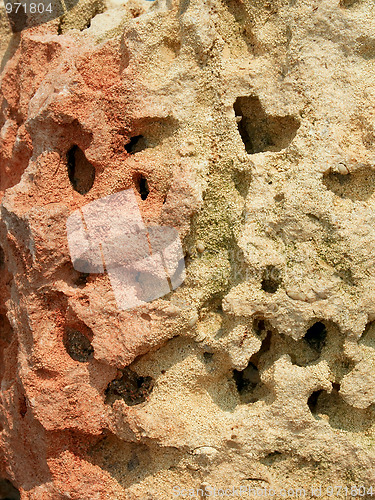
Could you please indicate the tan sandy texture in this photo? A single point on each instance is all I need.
(258, 144)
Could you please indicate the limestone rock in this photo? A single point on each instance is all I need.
(249, 128)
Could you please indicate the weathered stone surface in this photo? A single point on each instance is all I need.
(249, 127)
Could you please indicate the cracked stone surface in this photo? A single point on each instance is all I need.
(248, 126)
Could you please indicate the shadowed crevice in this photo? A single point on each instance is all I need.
(260, 131)
(80, 171)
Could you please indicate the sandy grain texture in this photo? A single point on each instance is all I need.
(253, 124)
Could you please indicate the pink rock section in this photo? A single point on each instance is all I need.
(59, 92)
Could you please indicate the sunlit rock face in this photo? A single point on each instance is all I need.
(247, 127)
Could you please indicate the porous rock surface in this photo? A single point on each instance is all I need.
(249, 125)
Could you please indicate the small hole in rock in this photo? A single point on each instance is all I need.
(271, 279)
(136, 144)
(81, 281)
(265, 347)
(347, 3)
(78, 346)
(131, 387)
(80, 171)
(312, 402)
(23, 406)
(146, 316)
(259, 325)
(8, 491)
(2, 258)
(141, 185)
(316, 336)
(6, 330)
(336, 386)
(247, 379)
(262, 132)
(274, 454)
(207, 356)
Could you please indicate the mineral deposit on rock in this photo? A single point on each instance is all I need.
(248, 127)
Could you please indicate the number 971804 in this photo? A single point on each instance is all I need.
(28, 13)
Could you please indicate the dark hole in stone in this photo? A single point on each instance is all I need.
(141, 185)
(336, 386)
(78, 346)
(8, 491)
(265, 347)
(6, 330)
(259, 325)
(131, 387)
(246, 379)
(2, 258)
(207, 356)
(312, 402)
(279, 197)
(271, 279)
(347, 3)
(316, 336)
(146, 316)
(143, 188)
(274, 454)
(80, 171)
(136, 144)
(81, 281)
(23, 406)
(260, 131)
(187, 259)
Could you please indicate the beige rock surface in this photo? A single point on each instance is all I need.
(249, 127)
